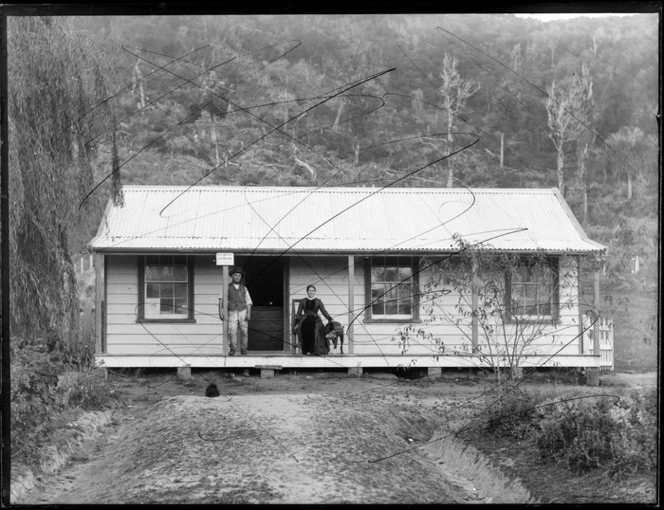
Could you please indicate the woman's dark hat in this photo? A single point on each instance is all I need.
(235, 269)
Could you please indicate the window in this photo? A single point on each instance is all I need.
(391, 288)
(166, 288)
(532, 289)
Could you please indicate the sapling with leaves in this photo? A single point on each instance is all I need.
(507, 307)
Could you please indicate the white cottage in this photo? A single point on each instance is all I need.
(158, 282)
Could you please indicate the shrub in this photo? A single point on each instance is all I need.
(512, 416)
(43, 390)
(577, 434)
(584, 435)
(83, 387)
(33, 377)
(636, 445)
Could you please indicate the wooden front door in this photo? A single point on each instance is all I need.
(266, 328)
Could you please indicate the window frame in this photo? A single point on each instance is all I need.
(368, 281)
(142, 291)
(554, 302)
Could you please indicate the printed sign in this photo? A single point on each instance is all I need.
(225, 259)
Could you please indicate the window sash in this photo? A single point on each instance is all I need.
(533, 291)
(391, 288)
(166, 287)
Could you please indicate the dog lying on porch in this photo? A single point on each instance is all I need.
(334, 332)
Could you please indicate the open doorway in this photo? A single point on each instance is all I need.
(264, 277)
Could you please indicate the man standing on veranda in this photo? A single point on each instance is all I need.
(239, 311)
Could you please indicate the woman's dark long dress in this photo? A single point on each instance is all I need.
(312, 337)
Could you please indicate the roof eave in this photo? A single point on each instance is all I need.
(360, 251)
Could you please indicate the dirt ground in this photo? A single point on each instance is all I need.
(302, 438)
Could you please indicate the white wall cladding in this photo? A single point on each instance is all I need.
(126, 336)
(330, 276)
(442, 328)
(441, 323)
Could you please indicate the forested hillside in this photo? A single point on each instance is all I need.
(368, 100)
(376, 100)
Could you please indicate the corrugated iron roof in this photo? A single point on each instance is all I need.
(329, 220)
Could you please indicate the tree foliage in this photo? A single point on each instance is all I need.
(58, 102)
(216, 87)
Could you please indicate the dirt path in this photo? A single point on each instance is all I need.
(273, 442)
(246, 449)
(295, 439)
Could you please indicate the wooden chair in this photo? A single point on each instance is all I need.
(295, 343)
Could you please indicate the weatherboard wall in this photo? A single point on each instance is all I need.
(441, 328)
(126, 335)
(370, 337)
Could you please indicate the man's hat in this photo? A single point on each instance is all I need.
(235, 269)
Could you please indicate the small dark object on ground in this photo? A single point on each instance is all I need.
(212, 390)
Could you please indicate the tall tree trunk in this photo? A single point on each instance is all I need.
(454, 91)
(138, 84)
(584, 190)
(336, 120)
(213, 136)
(448, 161)
(582, 155)
(502, 149)
(560, 162)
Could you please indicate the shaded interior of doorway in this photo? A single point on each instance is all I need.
(264, 277)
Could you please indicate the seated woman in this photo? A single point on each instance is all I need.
(309, 325)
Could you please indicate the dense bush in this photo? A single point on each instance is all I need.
(577, 434)
(587, 434)
(512, 416)
(44, 387)
(636, 446)
(619, 434)
(33, 380)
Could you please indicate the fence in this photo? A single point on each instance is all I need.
(606, 343)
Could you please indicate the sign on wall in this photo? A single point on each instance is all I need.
(225, 259)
